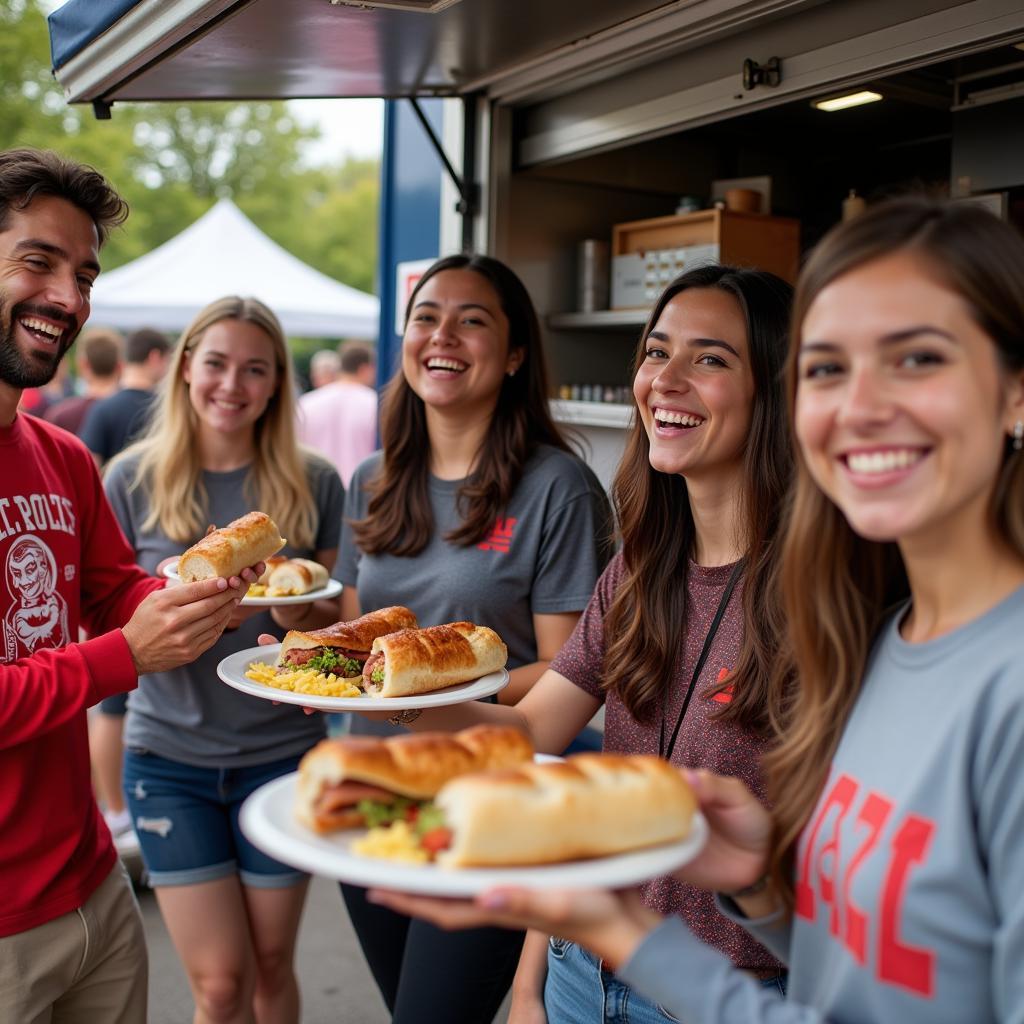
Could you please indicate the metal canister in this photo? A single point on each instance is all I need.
(592, 275)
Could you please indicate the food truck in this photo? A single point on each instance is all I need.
(599, 147)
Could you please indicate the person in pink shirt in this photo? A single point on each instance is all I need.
(339, 419)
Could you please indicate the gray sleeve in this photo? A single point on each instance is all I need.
(115, 483)
(573, 553)
(329, 495)
(346, 568)
(775, 932)
(699, 985)
(999, 799)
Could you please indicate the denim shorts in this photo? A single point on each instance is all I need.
(186, 819)
(578, 989)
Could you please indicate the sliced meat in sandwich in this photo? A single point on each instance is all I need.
(345, 646)
(362, 780)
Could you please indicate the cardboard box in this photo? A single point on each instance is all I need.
(638, 278)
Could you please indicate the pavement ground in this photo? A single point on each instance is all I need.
(335, 982)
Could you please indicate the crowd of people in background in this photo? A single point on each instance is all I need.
(338, 416)
(806, 594)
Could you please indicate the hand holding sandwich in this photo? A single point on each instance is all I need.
(173, 626)
(735, 856)
(612, 923)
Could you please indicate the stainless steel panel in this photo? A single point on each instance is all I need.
(833, 45)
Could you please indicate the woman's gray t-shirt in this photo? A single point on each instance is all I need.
(542, 557)
(188, 714)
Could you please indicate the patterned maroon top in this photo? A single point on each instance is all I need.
(703, 742)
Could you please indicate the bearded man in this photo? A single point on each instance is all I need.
(71, 941)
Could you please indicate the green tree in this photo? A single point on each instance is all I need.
(173, 161)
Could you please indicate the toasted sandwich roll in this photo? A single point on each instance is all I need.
(298, 576)
(350, 639)
(421, 660)
(227, 551)
(272, 563)
(590, 805)
(336, 774)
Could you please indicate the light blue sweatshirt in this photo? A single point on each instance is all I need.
(910, 878)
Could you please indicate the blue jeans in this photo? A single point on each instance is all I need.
(579, 991)
(186, 819)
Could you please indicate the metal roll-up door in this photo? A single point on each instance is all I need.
(822, 48)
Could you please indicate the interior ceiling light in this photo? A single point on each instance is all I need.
(850, 99)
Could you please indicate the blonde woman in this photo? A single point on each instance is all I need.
(221, 443)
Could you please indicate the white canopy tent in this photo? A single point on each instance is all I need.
(224, 253)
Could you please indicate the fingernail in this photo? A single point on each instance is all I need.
(494, 900)
(372, 896)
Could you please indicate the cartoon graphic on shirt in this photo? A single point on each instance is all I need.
(38, 618)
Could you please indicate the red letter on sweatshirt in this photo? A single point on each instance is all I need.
(900, 964)
(843, 791)
(875, 813)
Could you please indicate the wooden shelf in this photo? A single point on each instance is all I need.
(591, 414)
(601, 320)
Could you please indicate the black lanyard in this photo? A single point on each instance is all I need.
(704, 652)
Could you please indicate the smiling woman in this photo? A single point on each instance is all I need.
(695, 384)
(221, 443)
(886, 393)
(475, 510)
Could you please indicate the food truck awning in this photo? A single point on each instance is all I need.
(583, 75)
(185, 50)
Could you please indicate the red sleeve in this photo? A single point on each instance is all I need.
(63, 682)
(47, 689)
(112, 584)
(581, 659)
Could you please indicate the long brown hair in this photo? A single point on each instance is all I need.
(645, 622)
(399, 520)
(836, 586)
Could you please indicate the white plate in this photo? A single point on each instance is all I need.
(232, 671)
(333, 589)
(268, 821)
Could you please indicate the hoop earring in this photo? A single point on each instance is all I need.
(1018, 435)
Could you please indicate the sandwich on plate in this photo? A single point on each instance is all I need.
(343, 647)
(296, 576)
(590, 805)
(363, 781)
(417, 661)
